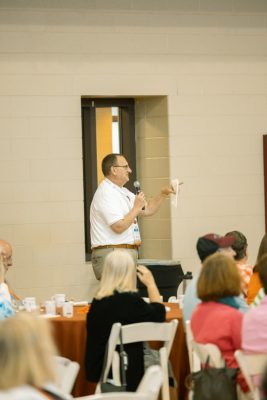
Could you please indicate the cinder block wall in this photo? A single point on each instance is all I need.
(152, 140)
(206, 58)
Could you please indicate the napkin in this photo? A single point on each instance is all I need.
(176, 186)
(80, 303)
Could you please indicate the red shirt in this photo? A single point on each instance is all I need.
(221, 325)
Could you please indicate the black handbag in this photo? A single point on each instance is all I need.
(109, 386)
(214, 383)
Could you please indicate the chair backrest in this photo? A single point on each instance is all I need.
(116, 396)
(66, 372)
(112, 343)
(140, 332)
(210, 350)
(151, 382)
(150, 331)
(251, 364)
(194, 361)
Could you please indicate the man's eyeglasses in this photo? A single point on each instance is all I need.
(121, 166)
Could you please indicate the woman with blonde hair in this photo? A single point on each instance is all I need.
(26, 359)
(117, 300)
(217, 318)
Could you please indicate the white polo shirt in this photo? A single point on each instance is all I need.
(110, 204)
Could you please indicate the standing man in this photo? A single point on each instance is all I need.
(114, 211)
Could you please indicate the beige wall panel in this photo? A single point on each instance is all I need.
(152, 127)
(227, 84)
(54, 170)
(22, 148)
(186, 144)
(13, 127)
(64, 148)
(5, 149)
(58, 254)
(158, 147)
(70, 190)
(199, 125)
(54, 128)
(156, 228)
(70, 232)
(155, 167)
(57, 212)
(14, 170)
(30, 235)
(118, 84)
(33, 86)
(151, 249)
(49, 106)
(152, 164)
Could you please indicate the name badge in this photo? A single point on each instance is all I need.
(136, 234)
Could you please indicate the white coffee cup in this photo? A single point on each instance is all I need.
(67, 309)
(30, 304)
(180, 299)
(147, 299)
(59, 299)
(50, 307)
(173, 299)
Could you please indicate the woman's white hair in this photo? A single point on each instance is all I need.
(119, 273)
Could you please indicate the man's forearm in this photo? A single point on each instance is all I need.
(123, 224)
(154, 204)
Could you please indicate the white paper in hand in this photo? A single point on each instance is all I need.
(176, 186)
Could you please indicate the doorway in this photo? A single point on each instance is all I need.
(108, 126)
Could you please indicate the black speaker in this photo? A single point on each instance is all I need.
(168, 275)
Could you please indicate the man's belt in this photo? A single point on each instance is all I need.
(117, 246)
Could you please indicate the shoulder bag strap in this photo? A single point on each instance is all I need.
(123, 361)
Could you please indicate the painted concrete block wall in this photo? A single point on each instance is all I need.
(207, 57)
(153, 170)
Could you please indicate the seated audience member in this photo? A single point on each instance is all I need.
(240, 248)
(6, 253)
(264, 385)
(117, 300)
(255, 285)
(217, 318)
(207, 245)
(254, 331)
(26, 359)
(6, 309)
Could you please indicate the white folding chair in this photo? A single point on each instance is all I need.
(210, 350)
(251, 365)
(194, 360)
(140, 332)
(66, 372)
(116, 396)
(200, 352)
(151, 382)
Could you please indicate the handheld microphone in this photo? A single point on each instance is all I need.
(137, 189)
